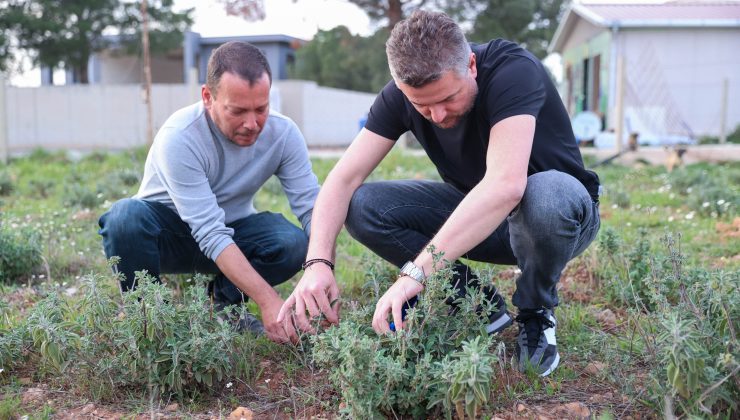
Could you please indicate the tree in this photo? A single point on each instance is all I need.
(336, 58)
(246, 9)
(392, 10)
(530, 23)
(65, 34)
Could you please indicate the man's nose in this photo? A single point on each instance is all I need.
(250, 121)
(438, 113)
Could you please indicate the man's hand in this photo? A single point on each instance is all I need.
(316, 292)
(279, 331)
(392, 302)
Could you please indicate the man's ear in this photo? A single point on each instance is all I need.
(472, 67)
(207, 96)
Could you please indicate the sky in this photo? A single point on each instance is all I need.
(298, 18)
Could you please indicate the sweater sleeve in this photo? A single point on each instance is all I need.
(296, 175)
(182, 165)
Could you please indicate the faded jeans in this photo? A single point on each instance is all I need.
(554, 222)
(147, 235)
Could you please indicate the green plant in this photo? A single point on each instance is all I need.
(465, 378)
(409, 373)
(20, 253)
(9, 407)
(7, 185)
(82, 196)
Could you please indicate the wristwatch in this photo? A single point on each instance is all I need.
(410, 269)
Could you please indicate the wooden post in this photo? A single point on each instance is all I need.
(619, 104)
(723, 113)
(193, 85)
(3, 124)
(147, 72)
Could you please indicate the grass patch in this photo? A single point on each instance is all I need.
(648, 320)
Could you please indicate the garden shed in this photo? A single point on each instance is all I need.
(679, 61)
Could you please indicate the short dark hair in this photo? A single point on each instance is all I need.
(424, 46)
(238, 57)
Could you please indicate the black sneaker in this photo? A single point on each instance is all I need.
(536, 347)
(243, 322)
(500, 319)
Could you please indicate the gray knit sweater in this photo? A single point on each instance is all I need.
(210, 182)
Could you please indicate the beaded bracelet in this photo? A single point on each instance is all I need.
(313, 261)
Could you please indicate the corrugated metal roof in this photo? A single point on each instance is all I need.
(647, 14)
(672, 10)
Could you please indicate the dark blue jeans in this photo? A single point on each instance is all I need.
(147, 235)
(555, 221)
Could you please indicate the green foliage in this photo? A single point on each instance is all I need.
(67, 34)
(336, 58)
(733, 137)
(6, 183)
(531, 23)
(9, 407)
(714, 194)
(418, 369)
(465, 378)
(696, 312)
(146, 341)
(20, 253)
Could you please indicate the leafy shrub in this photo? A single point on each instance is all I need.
(415, 372)
(6, 183)
(697, 314)
(41, 188)
(145, 341)
(82, 196)
(710, 194)
(20, 254)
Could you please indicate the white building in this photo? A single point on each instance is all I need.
(681, 65)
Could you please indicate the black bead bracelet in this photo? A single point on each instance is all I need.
(313, 261)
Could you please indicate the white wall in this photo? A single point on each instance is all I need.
(109, 117)
(328, 117)
(685, 67)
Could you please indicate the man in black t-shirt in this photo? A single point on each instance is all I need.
(514, 188)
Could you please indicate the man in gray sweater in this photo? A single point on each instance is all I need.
(194, 210)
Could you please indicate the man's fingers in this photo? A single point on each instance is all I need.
(290, 330)
(313, 308)
(326, 308)
(285, 309)
(300, 316)
(397, 315)
(334, 302)
(380, 319)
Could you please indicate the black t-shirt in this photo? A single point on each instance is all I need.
(511, 81)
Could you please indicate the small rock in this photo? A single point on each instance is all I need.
(595, 368)
(607, 318)
(25, 381)
(172, 407)
(241, 413)
(520, 407)
(32, 395)
(88, 409)
(577, 410)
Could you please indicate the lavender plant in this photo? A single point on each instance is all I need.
(410, 373)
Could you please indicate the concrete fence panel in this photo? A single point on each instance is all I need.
(113, 117)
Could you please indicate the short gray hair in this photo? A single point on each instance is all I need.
(424, 46)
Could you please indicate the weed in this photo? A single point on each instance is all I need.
(20, 254)
(412, 372)
(7, 186)
(9, 407)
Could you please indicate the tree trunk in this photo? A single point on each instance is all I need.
(147, 72)
(395, 13)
